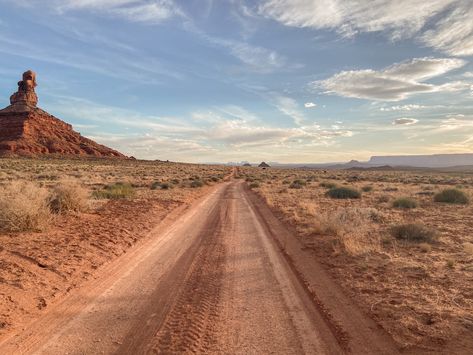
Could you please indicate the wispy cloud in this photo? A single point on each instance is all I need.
(144, 11)
(310, 105)
(453, 33)
(395, 82)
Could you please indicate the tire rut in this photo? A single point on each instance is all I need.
(189, 326)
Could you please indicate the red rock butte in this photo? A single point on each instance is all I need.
(26, 130)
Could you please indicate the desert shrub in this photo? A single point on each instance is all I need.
(353, 227)
(214, 178)
(452, 196)
(115, 191)
(297, 184)
(155, 185)
(367, 188)
(24, 207)
(254, 185)
(69, 196)
(165, 186)
(425, 247)
(468, 248)
(343, 193)
(383, 199)
(196, 183)
(405, 202)
(328, 185)
(413, 232)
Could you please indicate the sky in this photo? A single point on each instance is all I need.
(299, 81)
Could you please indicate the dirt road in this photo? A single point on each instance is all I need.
(214, 281)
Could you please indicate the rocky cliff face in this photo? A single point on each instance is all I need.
(35, 132)
(26, 130)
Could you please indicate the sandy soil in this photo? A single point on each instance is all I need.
(38, 269)
(213, 281)
(421, 294)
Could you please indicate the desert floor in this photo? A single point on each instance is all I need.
(166, 257)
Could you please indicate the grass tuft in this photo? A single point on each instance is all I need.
(69, 196)
(414, 232)
(405, 203)
(24, 207)
(343, 193)
(454, 196)
(115, 191)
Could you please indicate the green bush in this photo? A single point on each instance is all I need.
(297, 184)
(343, 193)
(405, 202)
(115, 191)
(413, 232)
(452, 196)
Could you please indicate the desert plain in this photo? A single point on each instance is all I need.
(381, 254)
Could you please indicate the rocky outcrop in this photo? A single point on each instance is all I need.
(263, 165)
(26, 130)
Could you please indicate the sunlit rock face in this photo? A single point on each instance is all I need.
(26, 130)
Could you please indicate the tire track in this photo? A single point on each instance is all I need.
(189, 326)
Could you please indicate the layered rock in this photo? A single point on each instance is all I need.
(26, 130)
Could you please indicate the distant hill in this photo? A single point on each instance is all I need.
(424, 161)
(452, 162)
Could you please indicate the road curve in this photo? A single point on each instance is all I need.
(214, 281)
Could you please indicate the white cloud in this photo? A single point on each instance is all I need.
(289, 107)
(409, 107)
(405, 121)
(395, 82)
(144, 11)
(226, 128)
(451, 33)
(309, 105)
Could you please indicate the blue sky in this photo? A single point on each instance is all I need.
(275, 80)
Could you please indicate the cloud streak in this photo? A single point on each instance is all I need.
(452, 34)
(394, 83)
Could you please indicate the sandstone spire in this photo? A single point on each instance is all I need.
(27, 130)
(26, 96)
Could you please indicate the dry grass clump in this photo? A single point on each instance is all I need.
(343, 193)
(354, 228)
(69, 196)
(452, 196)
(253, 185)
(24, 207)
(328, 184)
(297, 184)
(115, 191)
(405, 203)
(196, 183)
(468, 248)
(414, 232)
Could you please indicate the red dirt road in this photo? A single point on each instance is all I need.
(215, 281)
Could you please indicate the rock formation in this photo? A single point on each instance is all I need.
(263, 165)
(26, 130)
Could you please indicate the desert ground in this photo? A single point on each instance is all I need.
(124, 256)
(418, 289)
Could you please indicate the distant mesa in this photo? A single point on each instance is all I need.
(246, 164)
(263, 165)
(26, 130)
